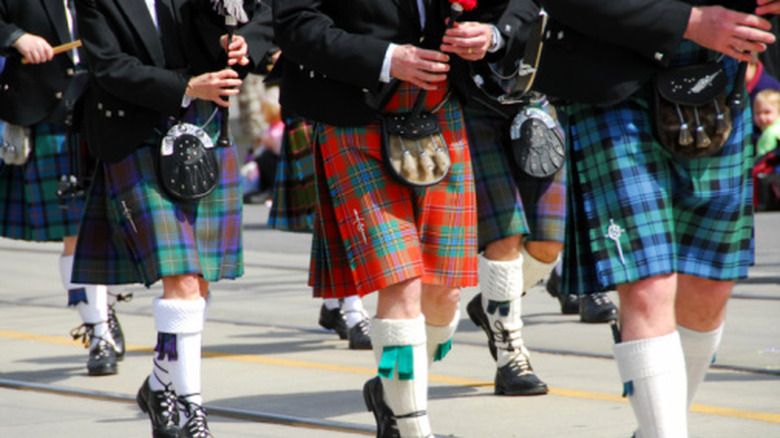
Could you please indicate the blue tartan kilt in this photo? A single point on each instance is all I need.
(29, 206)
(294, 192)
(509, 202)
(139, 234)
(637, 211)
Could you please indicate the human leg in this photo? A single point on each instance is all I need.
(650, 358)
(498, 311)
(700, 308)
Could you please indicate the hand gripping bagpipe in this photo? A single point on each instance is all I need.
(233, 11)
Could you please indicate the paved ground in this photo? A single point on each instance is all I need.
(269, 371)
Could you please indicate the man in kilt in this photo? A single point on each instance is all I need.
(415, 246)
(156, 65)
(672, 234)
(43, 97)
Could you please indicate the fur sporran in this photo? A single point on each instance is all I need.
(413, 147)
(537, 143)
(188, 167)
(17, 144)
(692, 117)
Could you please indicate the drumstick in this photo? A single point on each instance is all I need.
(60, 49)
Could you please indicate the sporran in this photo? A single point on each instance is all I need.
(692, 117)
(188, 168)
(537, 142)
(17, 144)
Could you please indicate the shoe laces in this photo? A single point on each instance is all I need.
(84, 332)
(600, 299)
(167, 402)
(507, 339)
(120, 298)
(520, 365)
(196, 420)
(364, 324)
(101, 349)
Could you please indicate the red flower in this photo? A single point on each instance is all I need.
(467, 5)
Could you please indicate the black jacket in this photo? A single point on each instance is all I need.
(601, 52)
(332, 52)
(134, 88)
(30, 93)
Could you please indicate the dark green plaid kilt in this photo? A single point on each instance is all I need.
(293, 202)
(29, 206)
(139, 234)
(636, 211)
(509, 202)
(371, 231)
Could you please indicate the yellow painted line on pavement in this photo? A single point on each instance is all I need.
(767, 417)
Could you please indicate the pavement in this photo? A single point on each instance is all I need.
(270, 371)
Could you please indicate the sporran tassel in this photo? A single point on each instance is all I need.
(408, 165)
(685, 138)
(442, 161)
(720, 120)
(702, 139)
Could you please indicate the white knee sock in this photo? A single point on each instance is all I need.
(353, 311)
(91, 301)
(535, 270)
(653, 372)
(699, 350)
(500, 284)
(331, 303)
(439, 339)
(181, 322)
(399, 349)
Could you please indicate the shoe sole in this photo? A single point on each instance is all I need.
(533, 391)
(103, 371)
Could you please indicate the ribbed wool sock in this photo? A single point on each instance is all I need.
(439, 338)
(91, 301)
(501, 286)
(179, 324)
(699, 350)
(353, 311)
(653, 375)
(535, 270)
(400, 350)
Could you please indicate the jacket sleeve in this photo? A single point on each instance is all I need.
(311, 38)
(651, 28)
(125, 75)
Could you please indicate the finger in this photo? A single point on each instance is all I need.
(432, 55)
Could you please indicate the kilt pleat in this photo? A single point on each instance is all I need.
(294, 193)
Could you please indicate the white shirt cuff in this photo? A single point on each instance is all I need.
(497, 42)
(384, 75)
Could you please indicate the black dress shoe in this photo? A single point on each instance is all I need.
(196, 425)
(597, 307)
(553, 285)
(116, 332)
(333, 319)
(478, 317)
(518, 378)
(570, 304)
(162, 410)
(359, 338)
(373, 394)
(102, 359)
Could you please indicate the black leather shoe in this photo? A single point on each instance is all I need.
(114, 327)
(359, 338)
(102, 359)
(570, 303)
(518, 378)
(373, 394)
(478, 317)
(196, 425)
(597, 307)
(116, 332)
(162, 410)
(333, 319)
